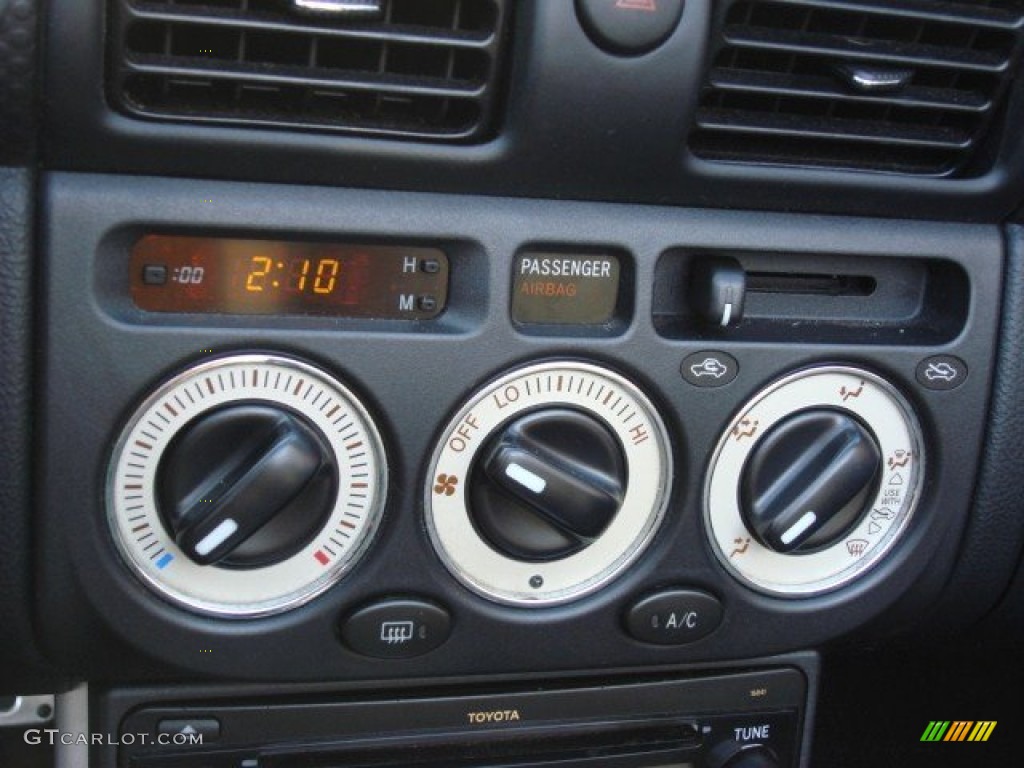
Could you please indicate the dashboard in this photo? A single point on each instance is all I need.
(510, 383)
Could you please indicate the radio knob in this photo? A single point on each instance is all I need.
(547, 485)
(809, 480)
(246, 486)
(733, 755)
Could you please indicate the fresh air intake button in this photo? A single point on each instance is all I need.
(629, 27)
(941, 372)
(674, 617)
(396, 629)
(564, 288)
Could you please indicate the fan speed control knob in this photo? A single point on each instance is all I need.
(548, 483)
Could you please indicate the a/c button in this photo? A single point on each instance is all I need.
(674, 617)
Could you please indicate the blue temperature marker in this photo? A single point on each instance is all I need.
(164, 561)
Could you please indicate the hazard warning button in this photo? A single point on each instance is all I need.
(629, 27)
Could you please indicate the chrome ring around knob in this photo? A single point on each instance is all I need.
(867, 535)
(570, 552)
(270, 578)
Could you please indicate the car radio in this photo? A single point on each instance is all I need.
(746, 719)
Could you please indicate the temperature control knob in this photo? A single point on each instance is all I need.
(808, 481)
(246, 485)
(814, 481)
(548, 483)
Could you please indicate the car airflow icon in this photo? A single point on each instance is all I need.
(940, 372)
(709, 366)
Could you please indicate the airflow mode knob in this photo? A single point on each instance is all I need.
(807, 483)
(814, 481)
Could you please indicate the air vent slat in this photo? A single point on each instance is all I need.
(775, 84)
(280, 77)
(418, 69)
(392, 33)
(861, 131)
(898, 86)
(977, 15)
(860, 49)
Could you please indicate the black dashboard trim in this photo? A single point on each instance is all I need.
(20, 662)
(129, 358)
(993, 543)
(562, 138)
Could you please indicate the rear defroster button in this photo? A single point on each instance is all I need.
(674, 617)
(399, 628)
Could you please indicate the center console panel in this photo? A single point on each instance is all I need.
(415, 384)
(765, 438)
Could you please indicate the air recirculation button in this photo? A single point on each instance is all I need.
(548, 484)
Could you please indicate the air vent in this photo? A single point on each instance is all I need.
(419, 69)
(899, 86)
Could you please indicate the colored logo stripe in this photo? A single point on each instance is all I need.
(959, 730)
(982, 730)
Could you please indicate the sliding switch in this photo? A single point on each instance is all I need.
(718, 287)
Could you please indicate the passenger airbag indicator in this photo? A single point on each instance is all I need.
(565, 289)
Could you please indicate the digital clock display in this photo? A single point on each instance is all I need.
(171, 273)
